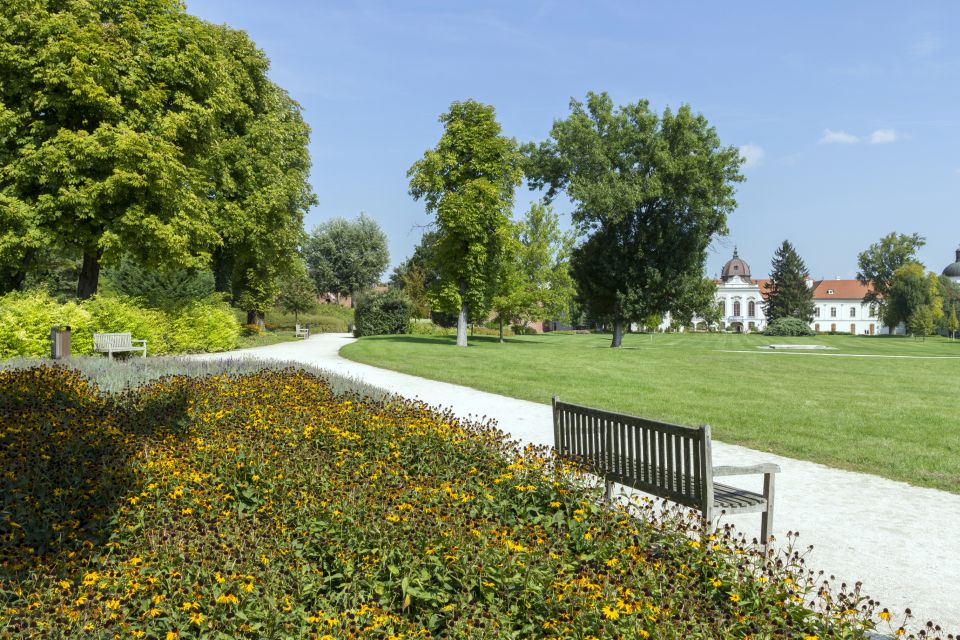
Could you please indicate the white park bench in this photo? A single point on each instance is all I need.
(670, 461)
(111, 343)
(301, 331)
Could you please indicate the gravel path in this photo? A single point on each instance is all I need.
(902, 542)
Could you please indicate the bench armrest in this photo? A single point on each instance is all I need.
(143, 341)
(741, 471)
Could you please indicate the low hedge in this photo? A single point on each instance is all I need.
(26, 319)
(789, 327)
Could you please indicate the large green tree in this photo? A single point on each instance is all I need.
(787, 293)
(913, 295)
(536, 283)
(467, 182)
(125, 125)
(650, 192)
(880, 260)
(296, 292)
(347, 257)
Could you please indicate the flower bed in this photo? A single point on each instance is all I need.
(264, 505)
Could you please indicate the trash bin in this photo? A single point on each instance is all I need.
(59, 342)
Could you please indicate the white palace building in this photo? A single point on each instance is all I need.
(839, 303)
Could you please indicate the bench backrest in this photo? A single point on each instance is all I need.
(667, 460)
(104, 341)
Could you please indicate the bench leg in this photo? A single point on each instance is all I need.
(608, 490)
(766, 520)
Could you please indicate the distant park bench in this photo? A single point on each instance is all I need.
(111, 343)
(666, 460)
(301, 331)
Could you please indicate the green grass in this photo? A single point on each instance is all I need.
(894, 417)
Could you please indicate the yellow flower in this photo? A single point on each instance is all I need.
(227, 598)
(610, 613)
(196, 618)
(716, 582)
(172, 635)
(885, 615)
(113, 604)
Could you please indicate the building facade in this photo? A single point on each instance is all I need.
(839, 303)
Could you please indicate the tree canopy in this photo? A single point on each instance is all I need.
(878, 263)
(914, 298)
(467, 182)
(347, 257)
(788, 295)
(650, 192)
(535, 283)
(119, 118)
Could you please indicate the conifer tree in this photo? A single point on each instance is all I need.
(788, 295)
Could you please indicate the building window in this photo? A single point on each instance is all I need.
(833, 312)
(853, 312)
(723, 308)
(873, 311)
(818, 312)
(829, 292)
(751, 308)
(736, 307)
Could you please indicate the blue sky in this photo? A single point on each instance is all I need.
(847, 112)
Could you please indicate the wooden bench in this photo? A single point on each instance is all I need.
(111, 343)
(302, 331)
(666, 460)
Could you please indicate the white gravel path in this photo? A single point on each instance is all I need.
(902, 542)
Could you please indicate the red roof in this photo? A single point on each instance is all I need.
(839, 290)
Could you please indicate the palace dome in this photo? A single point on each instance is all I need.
(735, 267)
(953, 270)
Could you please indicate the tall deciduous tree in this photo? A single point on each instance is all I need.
(347, 257)
(650, 193)
(123, 120)
(879, 262)
(296, 292)
(468, 181)
(536, 283)
(788, 295)
(912, 290)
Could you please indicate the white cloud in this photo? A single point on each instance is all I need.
(838, 137)
(753, 154)
(883, 136)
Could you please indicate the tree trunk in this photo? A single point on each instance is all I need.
(255, 317)
(89, 274)
(462, 317)
(501, 326)
(617, 333)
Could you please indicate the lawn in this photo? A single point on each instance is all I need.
(891, 416)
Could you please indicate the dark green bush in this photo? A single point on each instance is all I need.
(167, 290)
(382, 313)
(788, 327)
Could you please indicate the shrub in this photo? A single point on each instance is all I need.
(205, 326)
(788, 327)
(26, 318)
(382, 313)
(114, 314)
(157, 289)
(247, 330)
